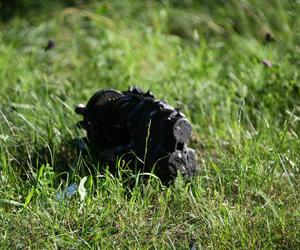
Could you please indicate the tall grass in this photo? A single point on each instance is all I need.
(214, 60)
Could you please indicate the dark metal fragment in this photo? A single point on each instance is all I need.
(149, 133)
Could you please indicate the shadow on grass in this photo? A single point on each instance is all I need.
(74, 159)
(24, 8)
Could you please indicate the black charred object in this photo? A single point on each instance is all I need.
(148, 133)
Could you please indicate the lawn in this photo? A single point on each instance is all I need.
(231, 66)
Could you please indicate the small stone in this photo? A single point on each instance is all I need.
(50, 45)
(267, 63)
(269, 37)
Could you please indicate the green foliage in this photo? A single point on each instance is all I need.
(231, 66)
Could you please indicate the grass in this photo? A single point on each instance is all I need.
(207, 58)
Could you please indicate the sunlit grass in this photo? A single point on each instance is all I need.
(208, 60)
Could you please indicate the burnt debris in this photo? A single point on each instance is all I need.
(50, 45)
(147, 133)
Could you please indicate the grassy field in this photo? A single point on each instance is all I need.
(231, 66)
